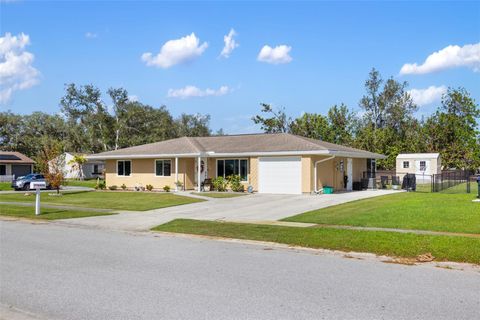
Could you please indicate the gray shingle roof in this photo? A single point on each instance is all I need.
(236, 144)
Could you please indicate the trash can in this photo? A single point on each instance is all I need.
(327, 190)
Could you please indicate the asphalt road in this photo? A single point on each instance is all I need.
(59, 272)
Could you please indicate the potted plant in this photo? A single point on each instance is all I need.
(179, 185)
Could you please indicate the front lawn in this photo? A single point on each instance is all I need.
(422, 211)
(122, 200)
(460, 249)
(4, 186)
(82, 183)
(219, 194)
(46, 213)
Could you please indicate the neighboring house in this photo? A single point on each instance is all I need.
(14, 164)
(91, 169)
(270, 163)
(423, 165)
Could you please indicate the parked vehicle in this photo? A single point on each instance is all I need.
(23, 183)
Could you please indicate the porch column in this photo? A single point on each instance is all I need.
(176, 174)
(349, 174)
(199, 168)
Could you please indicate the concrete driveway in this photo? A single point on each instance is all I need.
(255, 207)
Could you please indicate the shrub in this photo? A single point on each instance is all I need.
(235, 183)
(149, 187)
(101, 185)
(166, 188)
(123, 186)
(114, 187)
(220, 184)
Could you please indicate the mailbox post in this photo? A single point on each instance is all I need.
(37, 185)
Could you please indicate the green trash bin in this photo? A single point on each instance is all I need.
(327, 190)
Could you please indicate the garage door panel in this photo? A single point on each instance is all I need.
(280, 175)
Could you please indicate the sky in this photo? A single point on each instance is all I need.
(225, 58)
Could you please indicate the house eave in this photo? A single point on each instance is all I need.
(239, 154)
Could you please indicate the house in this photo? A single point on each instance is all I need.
(91, 169)
(423, 165)
(14, 164)
(269, 163)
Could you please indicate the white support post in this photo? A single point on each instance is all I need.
(176, 174)
(349, 174)
(199, 168)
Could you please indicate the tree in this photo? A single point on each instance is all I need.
(51, 162)
(453, 130)
(341, 122)
(77, 163)
(388, 118)
(88, 120)
(312, 125)
(193, 125)
(278, 121)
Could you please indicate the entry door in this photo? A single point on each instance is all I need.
(281, 175)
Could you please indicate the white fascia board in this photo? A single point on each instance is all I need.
(259, 154)
(142, 156)
(357, 155)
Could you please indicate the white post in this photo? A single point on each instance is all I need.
(349, 174)
(176, 174)
(37, 202)
(199, 167)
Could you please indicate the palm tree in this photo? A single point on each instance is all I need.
(77, 163)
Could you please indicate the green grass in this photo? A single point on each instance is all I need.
(46, 213)
(443, 248)
(139, 201)
(423, 211)
(82, 183)
(4, 186)
(219, 194)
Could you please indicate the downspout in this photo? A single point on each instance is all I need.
(315, 171)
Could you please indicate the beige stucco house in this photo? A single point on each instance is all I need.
(423, 165)
(14, 164)
(270, 163)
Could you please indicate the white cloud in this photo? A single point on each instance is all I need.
(16, 70)
(449, 57)
(426, 96)
(230, 44)
(91, 35)
(176, 51)
(192, 91)
(277, 55)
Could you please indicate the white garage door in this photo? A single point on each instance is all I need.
(280, 175)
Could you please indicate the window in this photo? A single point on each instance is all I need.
(163, 168)
(423, 165)
(228, 167)
(3, 169)
(406, 164)
(124, 167)
(95, 168)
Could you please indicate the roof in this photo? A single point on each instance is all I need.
(418, 156)
(14, 157)
(236, 145)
